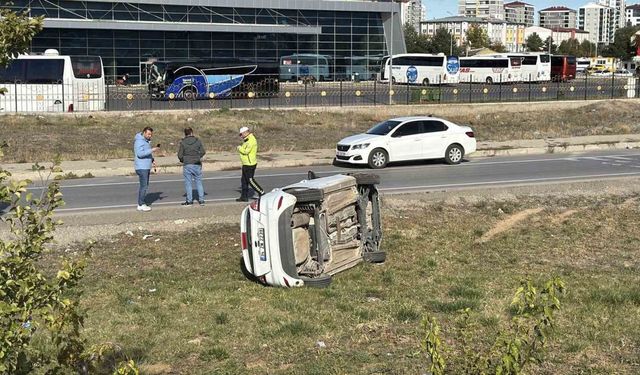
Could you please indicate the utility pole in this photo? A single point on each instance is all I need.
(391, 57)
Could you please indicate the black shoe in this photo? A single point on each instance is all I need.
(186, 204)
(242, 199)
(201, 203)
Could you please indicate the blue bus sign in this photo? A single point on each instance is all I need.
(453, 64)
(412, 74)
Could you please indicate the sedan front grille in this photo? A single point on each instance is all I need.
(343, 147)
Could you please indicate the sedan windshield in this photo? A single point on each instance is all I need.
(384, 128)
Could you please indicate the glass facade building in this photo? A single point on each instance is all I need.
(128, 34)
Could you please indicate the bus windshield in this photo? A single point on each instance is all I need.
(383, 128)
(86, 66)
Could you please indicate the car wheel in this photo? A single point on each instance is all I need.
(306, 195)
(366, 178)
(489, 81)
(322, 281)
(378, 158)
(375, 257)
(454, 154)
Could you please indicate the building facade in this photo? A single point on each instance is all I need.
(126, 34)
(510, 35)
(596, 19)
(558, 35)
(555, 17)
(618, 12)
(413, 13)
(481, 9)
(633, 15)
(519, 12)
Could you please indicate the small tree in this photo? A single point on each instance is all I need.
(570, 47)
(587, 49)
(534, 43)
(444, 42)
(415, 42)
(477, 37)
(549, 46)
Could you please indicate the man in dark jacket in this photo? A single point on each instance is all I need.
(190, 155)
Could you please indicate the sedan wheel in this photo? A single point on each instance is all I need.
(378, 158)
(454, 154)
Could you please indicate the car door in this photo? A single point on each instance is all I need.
(436, 139)
(406, 142)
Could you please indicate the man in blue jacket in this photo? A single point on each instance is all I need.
(143, 161)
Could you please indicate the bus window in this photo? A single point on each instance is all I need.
(44, 71)
(13, 73)
(545, 58)
(86, 66)
(516, 62)
(529, 60)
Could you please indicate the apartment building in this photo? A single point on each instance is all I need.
(633, 15)
(597, 20)
(558, 17)
(481, 8)
(519, 12)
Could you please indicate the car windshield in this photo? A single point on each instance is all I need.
(384, 128)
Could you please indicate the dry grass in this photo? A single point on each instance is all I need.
(40, 138)
(181, 305)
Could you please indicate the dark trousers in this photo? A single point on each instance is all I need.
(143, 177)
(248, 182)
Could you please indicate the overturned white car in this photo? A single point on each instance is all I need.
(304, 233)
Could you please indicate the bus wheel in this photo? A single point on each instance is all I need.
(189, 93)
(393, 80)
(425, 82)
(489, 81)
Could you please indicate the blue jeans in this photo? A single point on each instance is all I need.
(193, 172)
(143, 176)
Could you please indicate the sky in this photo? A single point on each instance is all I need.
(439, 8)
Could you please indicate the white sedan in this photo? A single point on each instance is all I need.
(408, 138)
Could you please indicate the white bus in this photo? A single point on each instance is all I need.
(53, 83)
(490, 69)
(421, 69)
(536, 67)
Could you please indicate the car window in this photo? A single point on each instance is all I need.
(433, 126)
(410, 128)
(383, 128)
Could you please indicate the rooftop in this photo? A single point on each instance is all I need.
(460, 19)
(557, 9)
(517, 4)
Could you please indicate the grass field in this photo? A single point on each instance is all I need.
(40, 138)
(181, 306)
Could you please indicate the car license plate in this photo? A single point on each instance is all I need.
(341, 153)
(261, 248)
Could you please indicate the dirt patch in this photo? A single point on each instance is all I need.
(508, 223)
(564, 216)
(156, 369)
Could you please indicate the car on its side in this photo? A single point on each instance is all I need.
(303, 234)
(408, 138)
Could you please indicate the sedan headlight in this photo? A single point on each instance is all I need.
(361, 146)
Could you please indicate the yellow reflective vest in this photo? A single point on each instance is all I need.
(248, 151)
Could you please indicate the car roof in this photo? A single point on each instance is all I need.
(413, 118)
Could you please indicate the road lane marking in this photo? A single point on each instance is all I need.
(391, 190)
(526, 180)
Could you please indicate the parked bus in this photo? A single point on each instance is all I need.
(53, 83)
(301, 66)
(563, 68)
(212, 79)
(536, 67)
(421, 68)
(490, 69)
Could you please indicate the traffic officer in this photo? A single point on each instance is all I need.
(248, 151)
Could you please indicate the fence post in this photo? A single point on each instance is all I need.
(340, 93)
(558, 89)
(586, 85)
(529, 86)
(305, 94)
(470, 83)
(613, 84)
(15, 96)
(408, 91)
(440, 90)
(500, 90)
(375, 89)
(63, 107)
(106, 99)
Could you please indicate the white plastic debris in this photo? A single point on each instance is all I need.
(180, 221)
(129, 233)
(321, 344)
(152, 290)
(147, 236)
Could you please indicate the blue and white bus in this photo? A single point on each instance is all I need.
(421, 69)
(217, 79)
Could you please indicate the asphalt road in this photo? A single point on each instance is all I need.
(120, 192)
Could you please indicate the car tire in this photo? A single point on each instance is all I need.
(375, 257)
(322, 281)
(366, 178)
(306, 195)
(454, 154)
(378, 158)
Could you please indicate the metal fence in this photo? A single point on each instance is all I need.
(44, 98)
